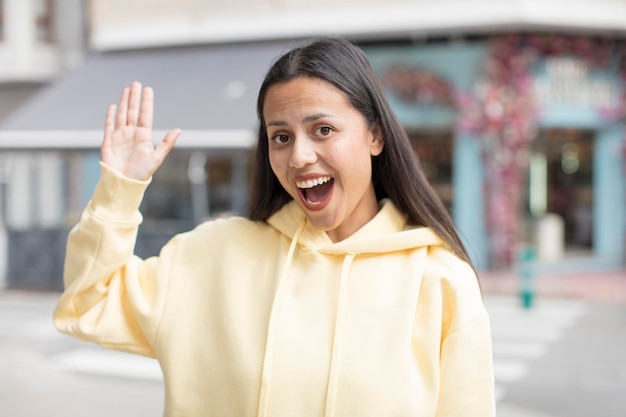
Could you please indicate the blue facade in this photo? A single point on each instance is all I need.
(460, 64)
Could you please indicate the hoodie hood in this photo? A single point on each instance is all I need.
(386, 232)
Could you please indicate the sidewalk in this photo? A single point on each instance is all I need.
(603, 287)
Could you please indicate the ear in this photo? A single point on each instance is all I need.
(377, 142)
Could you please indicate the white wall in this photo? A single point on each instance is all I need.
(150, 23)
(22, 57)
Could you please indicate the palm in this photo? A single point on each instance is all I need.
(127, 146)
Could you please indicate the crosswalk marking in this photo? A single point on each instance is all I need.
(521, 336)
(36, 328)
(106, 362)
(509, 370)
(519, 349)
(508, 410)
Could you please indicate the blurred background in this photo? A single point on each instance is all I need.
(516, 109)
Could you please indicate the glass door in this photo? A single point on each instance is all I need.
(559, 200)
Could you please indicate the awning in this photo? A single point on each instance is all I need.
(207, 91)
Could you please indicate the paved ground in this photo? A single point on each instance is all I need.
(580, 371)
(45, 373)
(582, 374)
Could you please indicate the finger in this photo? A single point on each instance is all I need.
(167, 144)
(147, 108)
(109, 123)
(133, 104)
(123, 108)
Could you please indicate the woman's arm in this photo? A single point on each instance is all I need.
(467, 380)
(466, 362)
(112, 297)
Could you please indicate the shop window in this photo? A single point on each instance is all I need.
(220, 185)
(560, 188)
(43, 20)
(191, 186)
(167, 199)
(434, 150)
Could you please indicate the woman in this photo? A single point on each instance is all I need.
(346, 292)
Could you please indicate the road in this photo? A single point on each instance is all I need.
(573, 363)
(561, 358)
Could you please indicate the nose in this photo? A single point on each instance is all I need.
(302, 152)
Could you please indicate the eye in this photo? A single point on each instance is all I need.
(280, 138)
(323, 131)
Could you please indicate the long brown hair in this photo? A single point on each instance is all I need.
(396, 173)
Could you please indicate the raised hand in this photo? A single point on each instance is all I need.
(127, 146)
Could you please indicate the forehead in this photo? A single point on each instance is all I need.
(303, 91)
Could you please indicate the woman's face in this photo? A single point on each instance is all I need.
(320, 149)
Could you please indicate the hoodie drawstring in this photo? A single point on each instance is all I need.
(334, 361)
(274, 315)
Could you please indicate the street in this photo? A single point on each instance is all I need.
(45, 373)
(564, 357)
(561, 358)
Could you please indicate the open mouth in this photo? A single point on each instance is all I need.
(315, 191)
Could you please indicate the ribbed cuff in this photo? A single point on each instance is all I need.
(117, 197)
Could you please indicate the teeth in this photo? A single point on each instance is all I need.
(312, 183)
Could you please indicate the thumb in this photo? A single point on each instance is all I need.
(167, 144)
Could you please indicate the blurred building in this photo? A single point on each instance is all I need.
(516, 110)
(39, 41)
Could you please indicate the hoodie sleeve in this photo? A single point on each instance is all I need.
(467, 372)
(466, 385)
(111, 297)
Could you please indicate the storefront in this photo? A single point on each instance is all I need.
(523, 137)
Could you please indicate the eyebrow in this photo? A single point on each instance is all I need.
(307, 119)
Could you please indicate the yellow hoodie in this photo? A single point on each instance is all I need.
(275, 320)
